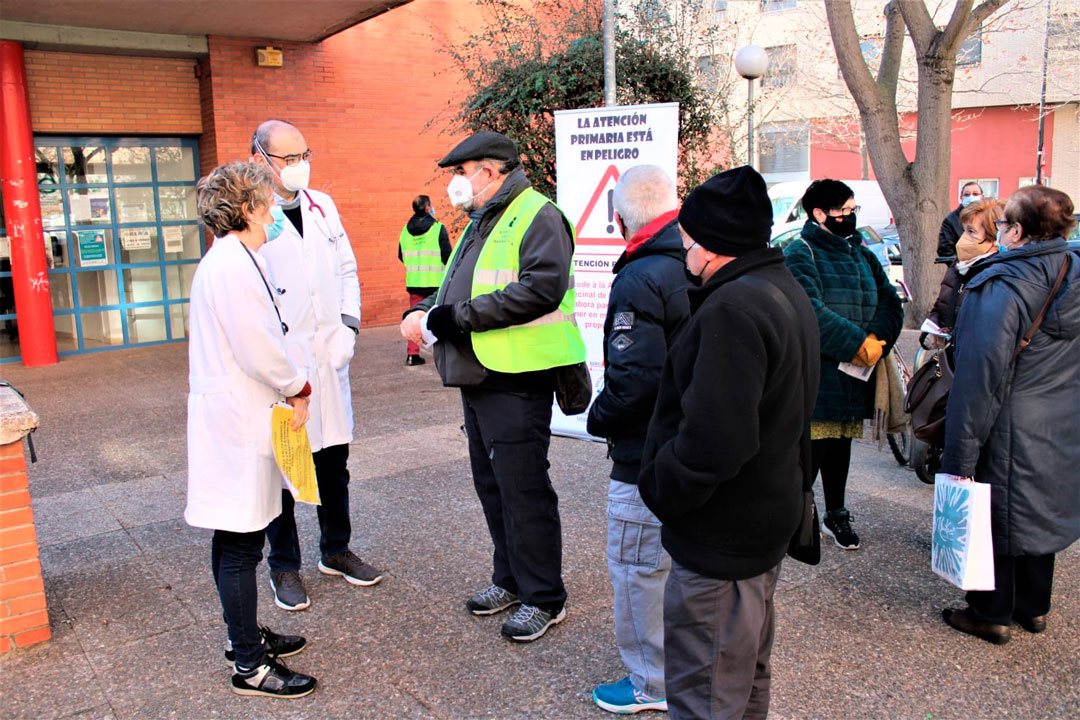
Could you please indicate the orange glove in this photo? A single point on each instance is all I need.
(870, 352)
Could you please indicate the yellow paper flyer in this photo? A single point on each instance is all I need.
(293, 454)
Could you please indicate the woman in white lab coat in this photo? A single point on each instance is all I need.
(239, 367)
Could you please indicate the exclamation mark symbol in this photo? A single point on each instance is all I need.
(610, 212)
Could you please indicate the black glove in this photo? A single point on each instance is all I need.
(440, 321)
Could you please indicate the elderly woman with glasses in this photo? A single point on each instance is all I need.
(1013, 418)
(859, 317)
(239, 368)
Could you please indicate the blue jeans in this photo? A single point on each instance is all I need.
(639, 568)
(233, 557)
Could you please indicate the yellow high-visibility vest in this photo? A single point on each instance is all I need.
(549, 341)
(422, 258)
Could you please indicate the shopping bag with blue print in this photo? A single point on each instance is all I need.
(962, 551)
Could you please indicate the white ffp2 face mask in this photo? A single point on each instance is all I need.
(296, 177)
(460, 190)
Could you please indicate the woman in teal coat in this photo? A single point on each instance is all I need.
(860, 318)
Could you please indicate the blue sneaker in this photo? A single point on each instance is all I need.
(623, 698)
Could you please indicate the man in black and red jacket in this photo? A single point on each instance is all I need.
(646, 306)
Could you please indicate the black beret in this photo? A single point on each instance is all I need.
(482, 145)
(729, 213)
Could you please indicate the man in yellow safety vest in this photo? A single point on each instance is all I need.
(422, 240)
(501, 322)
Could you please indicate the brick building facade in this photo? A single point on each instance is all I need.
(365, 99)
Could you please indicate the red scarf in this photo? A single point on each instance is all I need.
(645, 234)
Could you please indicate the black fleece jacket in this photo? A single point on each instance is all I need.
(728, 449)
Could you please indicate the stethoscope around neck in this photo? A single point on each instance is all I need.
(312, 207)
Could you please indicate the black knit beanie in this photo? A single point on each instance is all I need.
(729, 213)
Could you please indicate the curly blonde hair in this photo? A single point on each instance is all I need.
(231, 191)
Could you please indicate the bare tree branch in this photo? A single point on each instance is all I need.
(846, 41)
(983, 11)
(892, 50)
(958, 28)
(919, 23)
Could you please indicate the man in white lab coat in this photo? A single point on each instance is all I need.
(313, 266)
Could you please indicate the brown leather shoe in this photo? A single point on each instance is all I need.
(959, 619)
(1036, 624)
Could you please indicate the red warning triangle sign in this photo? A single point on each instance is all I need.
(601, 228)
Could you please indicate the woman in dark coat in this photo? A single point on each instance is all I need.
(976, 244)
(1016, 425)
(860, 317)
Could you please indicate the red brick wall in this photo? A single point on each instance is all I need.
(362, 99)
(74, 93)
(23, 617)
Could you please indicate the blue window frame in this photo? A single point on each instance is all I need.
(122, 238)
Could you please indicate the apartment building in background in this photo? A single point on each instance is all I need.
(806, 123)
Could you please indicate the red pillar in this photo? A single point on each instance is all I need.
(29, 271)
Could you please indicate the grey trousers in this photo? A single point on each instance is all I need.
(718, 637)
(638, 566)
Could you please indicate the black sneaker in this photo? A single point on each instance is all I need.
(289, 592)
(273, 679)
(837, 525)
(530, 623)
(276, 645)
(491, 600)
(351, 567)
(411, 360)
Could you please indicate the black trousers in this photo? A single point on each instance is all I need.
(335, 528)
(832, 457)
(509, 434)
(233, 558)
(1022, 588)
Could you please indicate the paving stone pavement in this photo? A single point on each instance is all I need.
(137, 629)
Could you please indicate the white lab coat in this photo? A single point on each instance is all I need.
(318, 275)
(238, 367)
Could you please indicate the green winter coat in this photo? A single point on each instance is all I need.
(852, 297)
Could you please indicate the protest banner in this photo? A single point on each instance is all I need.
(593, 147)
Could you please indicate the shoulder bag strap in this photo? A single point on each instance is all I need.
(1046, 306)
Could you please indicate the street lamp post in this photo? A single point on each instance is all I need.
(751, 62)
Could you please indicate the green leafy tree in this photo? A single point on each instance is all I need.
(531, 59)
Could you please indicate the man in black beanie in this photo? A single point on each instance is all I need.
(727, 454)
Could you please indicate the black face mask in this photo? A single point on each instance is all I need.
(693, 279)
(844, 226)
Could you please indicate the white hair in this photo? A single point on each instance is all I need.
(643, 193)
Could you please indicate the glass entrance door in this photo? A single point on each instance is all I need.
(122, 238)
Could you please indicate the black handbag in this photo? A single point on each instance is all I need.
(926, 398)
(805, 544)
(573, 388)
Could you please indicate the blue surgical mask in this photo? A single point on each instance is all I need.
(968, 199)
(274, 229)
(1002, 247)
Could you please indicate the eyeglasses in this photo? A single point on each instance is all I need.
(293, 159)
(1003, 223)
(844, 212)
